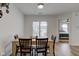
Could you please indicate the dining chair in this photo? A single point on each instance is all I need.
(16, 37)
(25, 46)
(41, 46)
(54, 41)
(17, 49)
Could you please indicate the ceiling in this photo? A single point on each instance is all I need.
(49, 8)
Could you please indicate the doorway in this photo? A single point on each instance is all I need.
(63, 30)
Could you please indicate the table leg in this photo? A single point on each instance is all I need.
(13, 48)
(51, 48)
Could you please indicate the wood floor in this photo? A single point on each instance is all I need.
(63, 49)
(75, 50)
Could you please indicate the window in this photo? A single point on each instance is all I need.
(35, 28)
(40, 28)
(65, 27)
(43, 29)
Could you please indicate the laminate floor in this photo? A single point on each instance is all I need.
(63, 49)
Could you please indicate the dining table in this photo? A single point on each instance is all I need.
(49, 50)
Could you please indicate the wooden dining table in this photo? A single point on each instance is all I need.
(50, 44)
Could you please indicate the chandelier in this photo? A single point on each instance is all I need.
(6, 5)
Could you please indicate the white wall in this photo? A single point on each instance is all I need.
(62, 18)
(52, 24)
(74, 29)
(10, 24)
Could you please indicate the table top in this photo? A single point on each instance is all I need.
(32, 40)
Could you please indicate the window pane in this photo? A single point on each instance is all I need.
(65, 27)
(43, 29)
(40, 29)
(35, 28)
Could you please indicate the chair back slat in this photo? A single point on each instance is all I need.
(42, 41)
(25, 45)
(41, 45)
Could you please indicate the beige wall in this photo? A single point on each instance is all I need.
(52, 24)
(10, 24)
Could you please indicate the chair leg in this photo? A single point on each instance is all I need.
(53, 53)
(16, 53)
(37, 54)
(30, 54)
(45, 53)
(20, 54)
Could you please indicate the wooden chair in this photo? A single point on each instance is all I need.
(25, 46)
(54, 41)
(41, 45)
(17, 48)
(17, 45)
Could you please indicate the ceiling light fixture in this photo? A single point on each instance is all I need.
(40, 6)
